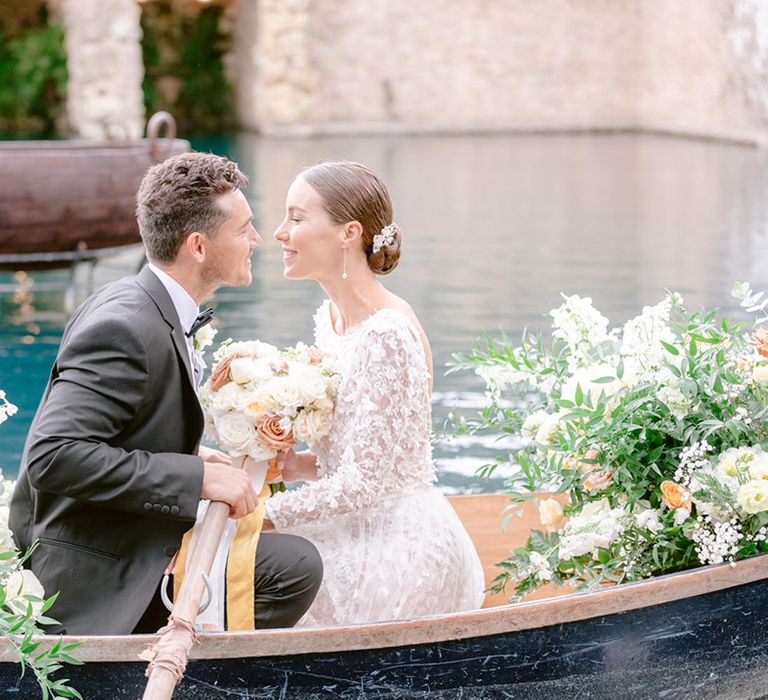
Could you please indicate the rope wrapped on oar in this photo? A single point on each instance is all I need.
(171, 651)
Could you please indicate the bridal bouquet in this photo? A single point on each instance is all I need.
(643, 446)
(23, 604)
(260, 401)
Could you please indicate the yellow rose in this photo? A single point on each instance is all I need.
(551, 514)
(760, 373)
(753, 496)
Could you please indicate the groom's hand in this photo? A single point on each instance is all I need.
(222, 482)
(210, 455)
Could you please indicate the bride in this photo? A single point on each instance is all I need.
(392, 545)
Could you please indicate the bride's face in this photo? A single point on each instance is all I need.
(311, 241)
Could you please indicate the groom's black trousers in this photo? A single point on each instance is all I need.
(288, 573)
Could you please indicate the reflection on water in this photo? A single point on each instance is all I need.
(494, 228)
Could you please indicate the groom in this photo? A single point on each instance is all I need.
(112, 470)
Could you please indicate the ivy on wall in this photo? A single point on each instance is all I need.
(33, 70)
(184, 46)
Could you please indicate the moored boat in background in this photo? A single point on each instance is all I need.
(695, 633)
(66, 201)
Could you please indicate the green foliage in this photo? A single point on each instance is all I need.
(184, 67)
(33, 76)
(23, 606)
(611, 419)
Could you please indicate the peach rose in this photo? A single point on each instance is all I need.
(272, 434)
(315, 356)
(597, 478)
(220, 374)
(760, 341)
(675, 495)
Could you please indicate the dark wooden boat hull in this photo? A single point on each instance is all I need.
(68, 199)
(694, 642)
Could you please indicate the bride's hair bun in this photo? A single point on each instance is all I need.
(384, 253)
(352, 192)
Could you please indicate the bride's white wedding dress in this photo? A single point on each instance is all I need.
(392, 545)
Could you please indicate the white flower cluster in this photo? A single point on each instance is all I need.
(596, 526)
(581, 326)
(6, 538)
(692, 458)
(498, 377)
(716, 542)
(648, 519)
(7, 409)
(539, 566)
(17, 583)
(204, 337)
(642, 351)
(259, 400)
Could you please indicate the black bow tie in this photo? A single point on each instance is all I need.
(202, 319)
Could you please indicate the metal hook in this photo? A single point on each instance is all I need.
(169, 604)
(156, 122)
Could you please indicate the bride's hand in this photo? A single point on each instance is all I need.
(297, 467)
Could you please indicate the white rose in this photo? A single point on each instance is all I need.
(758, 468)
(20, 584)
(240, 369)
(308, 381)
(310, 426)
(285, 392)
(753, 496)
(738, 460)
(259, 402)
(532, 424)
(251, 348)
(550, 514)
(235, 432)
(760, 373)
(547, 433)
(6, 536)
(6, 490)
(231, 397)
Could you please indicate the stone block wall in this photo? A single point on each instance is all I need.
(692, 66)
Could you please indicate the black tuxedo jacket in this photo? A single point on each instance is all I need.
(110, 480)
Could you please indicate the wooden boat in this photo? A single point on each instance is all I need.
(66, 201)
(693, 634)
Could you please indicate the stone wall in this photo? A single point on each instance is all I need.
(103, 42)
(692, 66)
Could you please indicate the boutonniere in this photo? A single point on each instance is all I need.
(204, 337)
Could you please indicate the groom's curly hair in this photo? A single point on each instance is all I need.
(180, 196)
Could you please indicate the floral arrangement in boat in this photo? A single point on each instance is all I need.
(643, 447)
(23, 604)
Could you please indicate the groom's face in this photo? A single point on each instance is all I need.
(229, 251)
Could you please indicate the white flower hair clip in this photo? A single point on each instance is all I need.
(385, 238)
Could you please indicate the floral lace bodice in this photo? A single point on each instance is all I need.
(379, 446)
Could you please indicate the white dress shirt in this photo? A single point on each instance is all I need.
(187, 310)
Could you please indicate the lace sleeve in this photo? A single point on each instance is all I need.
(374, 426)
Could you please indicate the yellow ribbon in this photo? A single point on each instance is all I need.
(241, 564)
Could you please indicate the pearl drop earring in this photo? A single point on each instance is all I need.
(344, 274)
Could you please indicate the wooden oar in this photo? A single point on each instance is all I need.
(177, 638)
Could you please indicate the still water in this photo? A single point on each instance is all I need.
(494, 229)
